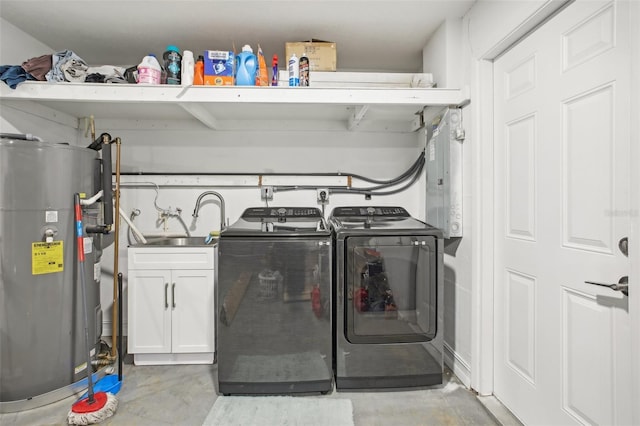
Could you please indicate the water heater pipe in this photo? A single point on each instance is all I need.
(106, 180)
(92, 200)
(135, 230)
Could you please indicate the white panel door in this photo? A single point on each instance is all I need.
(193, 308)
(562, 347)
(149, 314)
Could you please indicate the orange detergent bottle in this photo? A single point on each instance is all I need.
(198, 72)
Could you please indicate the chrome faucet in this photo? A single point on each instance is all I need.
(216, 194)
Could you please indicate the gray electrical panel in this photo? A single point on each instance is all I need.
(443, 157)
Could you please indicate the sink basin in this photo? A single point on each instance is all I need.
(178, 241)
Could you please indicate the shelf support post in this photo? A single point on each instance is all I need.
(201, 114)
(357, 116)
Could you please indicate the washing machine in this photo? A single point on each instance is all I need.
(388, 269)
(274, 303)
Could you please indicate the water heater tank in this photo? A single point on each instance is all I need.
(42, 345)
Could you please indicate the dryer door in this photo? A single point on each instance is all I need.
(391, 285)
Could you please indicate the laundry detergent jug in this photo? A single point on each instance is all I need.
(149, 70)
(246, 67)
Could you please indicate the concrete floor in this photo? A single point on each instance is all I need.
(184, 395)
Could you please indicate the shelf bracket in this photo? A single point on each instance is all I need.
(418, 122)
(201, 114)
(357, 116)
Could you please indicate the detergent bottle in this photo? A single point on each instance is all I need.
(246, 67)
(149, 70)
(187, 68)
(173, 64)
(198, 72)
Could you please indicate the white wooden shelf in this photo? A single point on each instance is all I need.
(228, 108)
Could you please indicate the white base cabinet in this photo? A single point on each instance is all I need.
(171, 307)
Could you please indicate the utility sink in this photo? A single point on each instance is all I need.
(179, 241)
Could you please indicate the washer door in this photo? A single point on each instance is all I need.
(391, 289)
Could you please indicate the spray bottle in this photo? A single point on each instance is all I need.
(274, 69)
(304, 70)
(294, 71)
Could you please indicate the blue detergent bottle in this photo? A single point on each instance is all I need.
(246, 67)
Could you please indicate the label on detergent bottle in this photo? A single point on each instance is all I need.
(294, 71)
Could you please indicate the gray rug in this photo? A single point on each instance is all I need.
(280, 411)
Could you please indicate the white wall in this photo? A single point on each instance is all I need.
(17, 47)
(442, 56)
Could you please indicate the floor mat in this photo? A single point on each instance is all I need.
(280, 410)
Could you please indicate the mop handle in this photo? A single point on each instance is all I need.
(78, 211)
(78, 214)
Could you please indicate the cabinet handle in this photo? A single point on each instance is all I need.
(166, 300)
(173, 295)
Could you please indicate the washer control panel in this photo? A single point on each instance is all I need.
(390, 212)
(281, 212)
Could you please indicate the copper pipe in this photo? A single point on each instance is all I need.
(92, 126)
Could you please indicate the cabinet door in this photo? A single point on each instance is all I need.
(193, 308)
(149, 311)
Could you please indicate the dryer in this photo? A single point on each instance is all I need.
(388, 283)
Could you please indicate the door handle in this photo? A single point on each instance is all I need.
(166, 300)
(623, 245)
(622, 285)
(173, 295)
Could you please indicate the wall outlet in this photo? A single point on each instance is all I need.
(266, 193)
(323, 195)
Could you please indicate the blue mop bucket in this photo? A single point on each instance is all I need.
(108, 383)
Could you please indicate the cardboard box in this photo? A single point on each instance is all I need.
(322, 54)
(219, 66)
